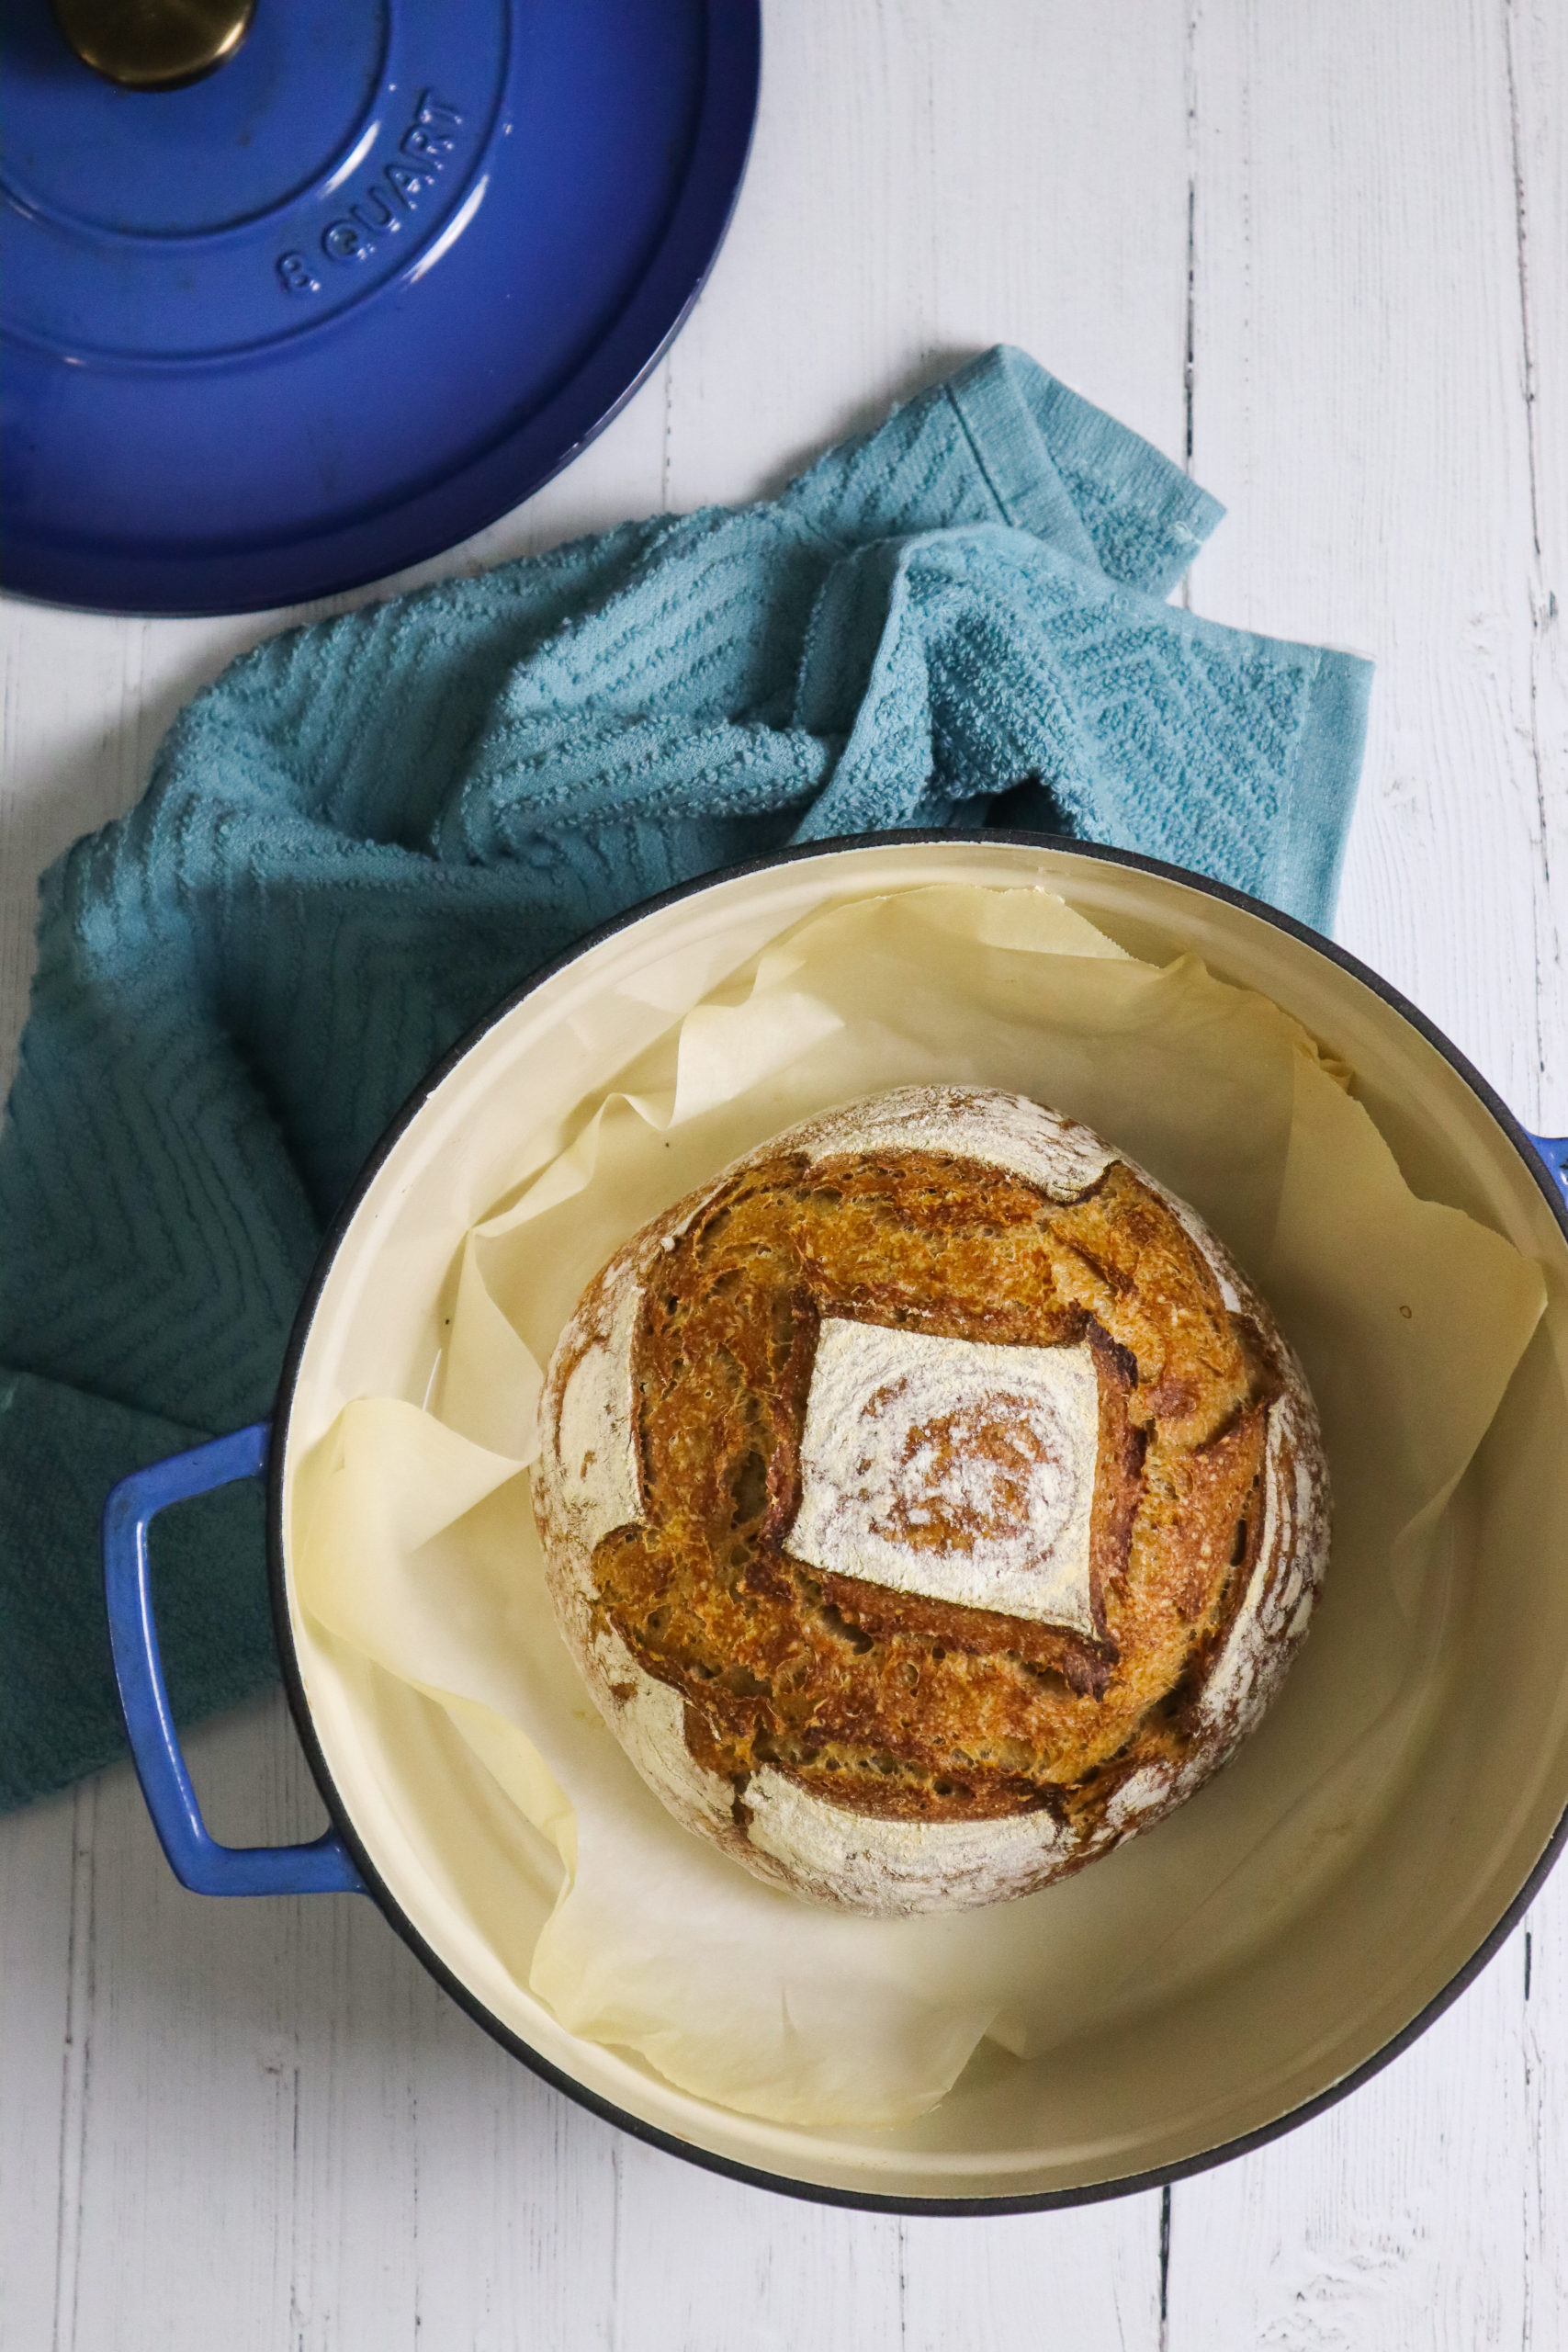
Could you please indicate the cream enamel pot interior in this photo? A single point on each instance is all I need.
(1379, 1951)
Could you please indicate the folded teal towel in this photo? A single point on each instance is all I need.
(370, 830)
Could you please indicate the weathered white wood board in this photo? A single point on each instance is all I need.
(1326, 250)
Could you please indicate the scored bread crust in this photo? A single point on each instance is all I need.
(587, 1488)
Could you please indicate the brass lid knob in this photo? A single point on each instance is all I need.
(153, 44)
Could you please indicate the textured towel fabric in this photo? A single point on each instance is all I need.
(368, 831)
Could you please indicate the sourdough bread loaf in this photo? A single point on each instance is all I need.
(928, 1502)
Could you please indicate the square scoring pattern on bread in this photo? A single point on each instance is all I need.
(954, 1468)
(852, 1731)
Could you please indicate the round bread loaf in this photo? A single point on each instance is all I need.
(928, 1502)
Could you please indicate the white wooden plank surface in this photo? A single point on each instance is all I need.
(1329, 250)
(1537, 61)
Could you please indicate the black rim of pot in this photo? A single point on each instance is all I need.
(785, 2184)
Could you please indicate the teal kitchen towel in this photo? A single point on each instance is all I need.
(368, 831)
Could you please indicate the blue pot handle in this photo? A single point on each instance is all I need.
(323, 1867)
(1553, 1149)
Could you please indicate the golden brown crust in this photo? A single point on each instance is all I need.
(880, 1748)
(892, 1705)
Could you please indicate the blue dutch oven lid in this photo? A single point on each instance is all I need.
(347, 299)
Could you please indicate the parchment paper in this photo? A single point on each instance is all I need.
(418, 1547)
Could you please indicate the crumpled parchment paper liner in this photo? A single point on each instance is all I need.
(418, 1547)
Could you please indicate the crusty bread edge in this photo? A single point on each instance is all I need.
(828, 1853)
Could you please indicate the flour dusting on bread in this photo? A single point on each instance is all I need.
(929, 1501)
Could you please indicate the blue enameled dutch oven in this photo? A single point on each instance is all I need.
(1373, 1955)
